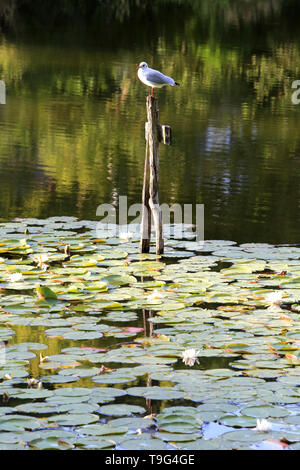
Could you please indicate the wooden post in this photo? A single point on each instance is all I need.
(146, 211)
(153, 141)
(154, 133)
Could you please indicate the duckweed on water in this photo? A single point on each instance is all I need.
(103, 330)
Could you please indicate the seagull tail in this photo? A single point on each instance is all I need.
(177, 84)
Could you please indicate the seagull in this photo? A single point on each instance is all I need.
(153, 78)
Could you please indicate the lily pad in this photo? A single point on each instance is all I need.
(73, 419)
(121, 410)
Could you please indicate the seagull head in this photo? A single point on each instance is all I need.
(143, 65)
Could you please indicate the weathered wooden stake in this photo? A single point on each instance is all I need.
(146, 211)
(154, 133)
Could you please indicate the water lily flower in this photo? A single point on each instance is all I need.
(155, 295)
(32, 382)
(126, 235)
(15, 277)
(7, 377)
(274, 298)
(42, 261)
(67, 250)
(43, 358)
(263, 425)
(189, 356)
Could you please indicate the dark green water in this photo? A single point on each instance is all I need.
(72, 130)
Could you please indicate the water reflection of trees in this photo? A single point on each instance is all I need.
(228, 12)
(70, 103)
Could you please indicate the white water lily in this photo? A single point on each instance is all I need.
(155, 295)
(126, 235)
(43, 358)
(32, 382)
(262, 425)
(189, 356)
(43, 258)
(42, 261)
(274, 298)
(15, 277)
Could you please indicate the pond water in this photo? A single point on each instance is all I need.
(100, 347)
(72, 131)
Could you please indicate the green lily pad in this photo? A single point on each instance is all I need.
(95, 443)
(143, 443)
(50, 443)
(74, 419)
(156, 393)
(17, 423)
(121, 410)
(265, 411)
(238, 421)
(102, 429)
(132, 422)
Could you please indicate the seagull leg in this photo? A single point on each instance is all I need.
(152, 91)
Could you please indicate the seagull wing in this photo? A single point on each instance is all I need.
(154, 76)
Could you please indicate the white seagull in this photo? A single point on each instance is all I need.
(153, 78)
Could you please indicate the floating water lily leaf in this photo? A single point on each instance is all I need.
(113, 253)
(156, 393)
(50, 443)
(143, 443)
(96, 443)
(121, 410)
(265, 411)
(45, 293)
(81, 262)
(16, 423)
(244, 436)
(102, 429)
(238, 421)
(74, 419)
(37, 408)
(119, 280)
(80, 372)
(105, 394)
(115, 377)
(78, 408)
(82, 335)
(35, 394)
(133, 422)
(175, 437)
(12, 447)
(73, 391)
(58, 379)
(201, 444)
(11, 438)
